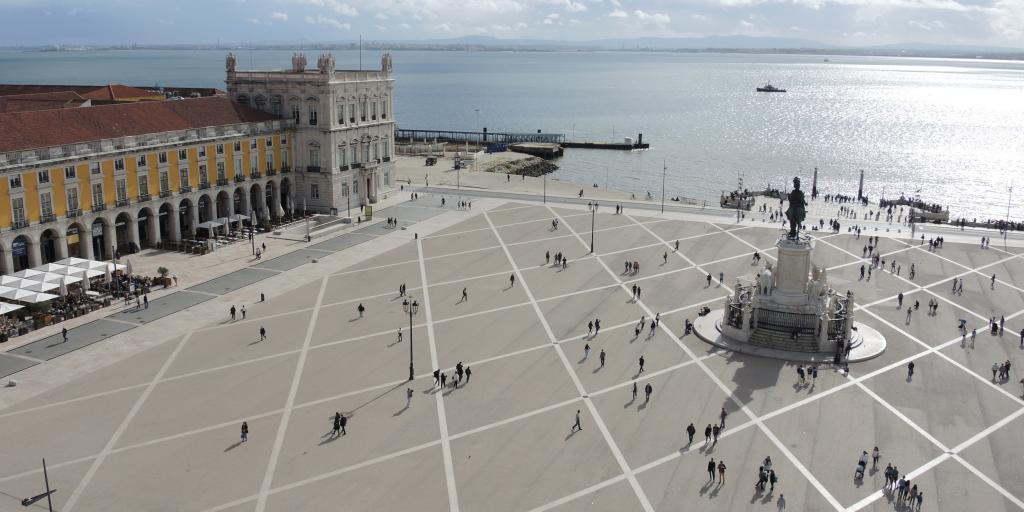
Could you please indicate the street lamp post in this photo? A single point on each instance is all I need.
(1006, 227)
(664, 170)
(477, 119)
(28, 502)
(545, 188)
(593, 215)
(411, 308)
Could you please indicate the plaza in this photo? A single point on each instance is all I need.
(159, 429)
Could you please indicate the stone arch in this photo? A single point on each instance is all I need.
(243, 99)
(99, 235)
(287, 196)
(49, 250)
(256, 201)
(125, 227)
(77, 237)
(165, 218)
(148, 227)
(21, 247)
(223, 205)
(268, 198)
(187, 215)
(239, 201)
(204, 208)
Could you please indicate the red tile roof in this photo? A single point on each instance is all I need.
(114, 92)
(28, 130)
(40, 101)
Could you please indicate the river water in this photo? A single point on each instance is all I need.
(949, 130)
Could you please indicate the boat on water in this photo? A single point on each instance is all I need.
(769, 88)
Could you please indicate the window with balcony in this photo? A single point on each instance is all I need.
(119, 164)
(312, 116)
(220, 149)
(202, 151)
(270, 160)
(384, 109)
(351, 113)
(204, 177)
(141, 161)
(97, 195)
(270, 142)
(366, 152)
(252, 144)
(121, 189)
(314, 158)
(72, 194)
(161, 157)
(376, 151)
(182, 154)
(44, 176)
(295, 113)
(284, 159)
(46, 206)
(362, 111)
(183, 176)
(15, 181)
(144, 186)
(341, 113)
(314, 191)
(237, 146)
(94, 168)
(373, 111)
(238, 167)
(18, 211)
(342, 160)
(221, 172)
(254, 163)
(70, 173)
(354, 154)
(386, 148)
(165, 181)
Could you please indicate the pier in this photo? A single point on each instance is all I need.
(486, 137)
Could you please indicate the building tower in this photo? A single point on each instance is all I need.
(343, 123)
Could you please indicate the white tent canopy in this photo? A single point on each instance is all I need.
(210, 224)
(7, 307)
(20, 295)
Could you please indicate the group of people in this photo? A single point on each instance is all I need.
(441, 379)
(560, 260)
(392, 222)
(632, 268)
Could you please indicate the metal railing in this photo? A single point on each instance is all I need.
(18, 224)
(123, 202)
(222, 181)
(203, 185)
(312, 168)
(144, 197)
(98, 207)
(77, 212)
(47, 217)
(165, 193)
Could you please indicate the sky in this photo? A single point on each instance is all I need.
(843, 22)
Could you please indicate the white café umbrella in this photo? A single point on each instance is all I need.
(7, 307)
(49, 267)
(28, 272)
(129, 265)
(51, 277)
(37, 286)
(20, 295)
(107, 278)
(63, 288)
(73, 261)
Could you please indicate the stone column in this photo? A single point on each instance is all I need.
(8, 259)
(193, 218)
(275, 199)
(154, 227)
(174, 224)
(133, 234)
(85, 243)
(34, 255)
(62, 244)
(109, 239)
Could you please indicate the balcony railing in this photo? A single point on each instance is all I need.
(357, 165)
(286, 168)
(98, 207)
(239, 178)
(203, 185)
(144, 197)
(185, 189)
(222, 181)
(271, 172)
(165, 193)
(47, 217)
(18, 224)
(77, 212)
(255, 175)
(387, 159)
(312, 168)
(123, 202)
(342, 168)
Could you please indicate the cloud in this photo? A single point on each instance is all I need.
(404, 26)
(945, 5)
(521, 25)
(616, 3)
(699, 17)
(927, 25)
(444, 27)
(618, 13)
(334, 5)
(279, 16)
(320, 19)
(501, 28)
(1007, 18)
(652, 18)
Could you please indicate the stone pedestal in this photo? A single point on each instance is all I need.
(792, 270)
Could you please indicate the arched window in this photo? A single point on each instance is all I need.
(275, 106)
(242, 99)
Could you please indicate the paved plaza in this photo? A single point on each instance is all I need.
(159, 431)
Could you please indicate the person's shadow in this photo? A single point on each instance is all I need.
(629, 403)
(236, 444)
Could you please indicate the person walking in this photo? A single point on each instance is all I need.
(722, 415)
(707, 434)
(336, 425)
(602, 358)
(648, 389)
(243, 310)
(232, 313)
(342, 421)
(715, 431)
(64, 333)
(590, 329)
(874, 458)
(634, 390)
(145, 302)
(597, 326)
(437, 378)
(469, 372)
(586, 351)
(690, 431)
(909, 312)
(408, 397)
(899, 301)
(444, 379)
(245, 431)
(781, 503)
(772, 479)
(910, 370)
(360, 309)
(721, 472)
(641, 361)
(511, 280)
(576, 426)
(465, 295)
(399, 335)
(711, 470)
(263, 333)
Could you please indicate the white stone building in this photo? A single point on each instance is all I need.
(343, 124)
